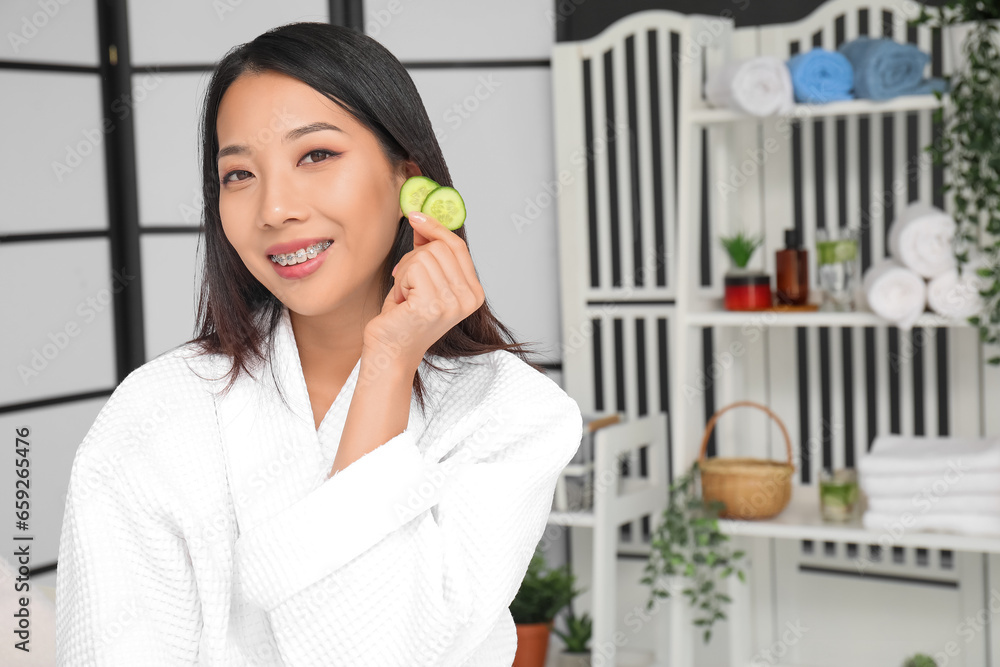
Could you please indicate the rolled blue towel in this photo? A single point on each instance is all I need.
(884, 69)
(821, 76)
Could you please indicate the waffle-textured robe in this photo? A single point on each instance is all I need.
(200, 528)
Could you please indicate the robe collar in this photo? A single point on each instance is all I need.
(288, 370)
(274, 453)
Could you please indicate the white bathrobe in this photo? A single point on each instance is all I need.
(201, 530)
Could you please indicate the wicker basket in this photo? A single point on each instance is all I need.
(750, 488)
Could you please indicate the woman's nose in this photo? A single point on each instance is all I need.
(280, 200)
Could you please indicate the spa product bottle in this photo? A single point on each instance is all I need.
(792, 267)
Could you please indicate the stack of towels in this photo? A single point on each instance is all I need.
(876, 69)
(921, 271)
(946, 484)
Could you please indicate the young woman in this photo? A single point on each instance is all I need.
(352, 463)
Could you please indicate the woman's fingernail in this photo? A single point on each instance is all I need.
(394, 269)
(417, 216)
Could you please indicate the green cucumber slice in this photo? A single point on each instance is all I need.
(446, 206)
(414, 192)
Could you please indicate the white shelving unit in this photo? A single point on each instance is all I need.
(728, 134)
(628, 197)
(801, 521)
(618, 499)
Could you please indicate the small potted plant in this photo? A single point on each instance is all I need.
(687, 543)
(746, 289)
(920, 660)
(576, 638)
(543, 594)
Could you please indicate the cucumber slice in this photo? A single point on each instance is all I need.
(413, 193)
(446, 206)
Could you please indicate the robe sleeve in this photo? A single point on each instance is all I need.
(125, 587)
(404, 559)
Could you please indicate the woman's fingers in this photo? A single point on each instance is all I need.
(429, 229)
(425, 280)
(452, 276)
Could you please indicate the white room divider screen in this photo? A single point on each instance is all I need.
(651, 177)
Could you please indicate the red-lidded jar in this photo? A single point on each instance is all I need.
(748, 291)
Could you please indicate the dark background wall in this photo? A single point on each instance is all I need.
(582, 19)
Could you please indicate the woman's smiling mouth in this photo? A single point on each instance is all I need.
(301, 255)
(301, 262)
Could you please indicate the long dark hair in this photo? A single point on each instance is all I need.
(237, 315)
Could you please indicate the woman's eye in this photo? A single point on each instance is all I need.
(318, 155)
(228, 177)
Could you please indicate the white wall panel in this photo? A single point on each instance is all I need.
(495, 129)
(462, 30)
(167, 108)
(50, 31)
(171, 279)
(195, 31)
(52, 167)
(59, 338)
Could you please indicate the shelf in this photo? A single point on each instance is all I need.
(572, 518)
(711, 116)
(801, 521)
(769, 318)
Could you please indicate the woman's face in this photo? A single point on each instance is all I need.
(289, 177)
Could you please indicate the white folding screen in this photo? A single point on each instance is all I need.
(56, 276)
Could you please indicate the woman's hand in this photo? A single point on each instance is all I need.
(435, 288)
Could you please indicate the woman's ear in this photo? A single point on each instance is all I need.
(411, 169)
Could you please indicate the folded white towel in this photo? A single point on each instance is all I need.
(760, 86)
(895, 292)
(921, 239)
(957, 296)
(946, 504)
(955, 482)
(904, 454)
(965, 524)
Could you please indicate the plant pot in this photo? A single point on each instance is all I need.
(567, 659)
(750, 290)
(532, 644)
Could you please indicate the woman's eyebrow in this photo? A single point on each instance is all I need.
(241, 149)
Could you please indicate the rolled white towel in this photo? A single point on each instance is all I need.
(947, 504)
(895, 292)
(955, 482)
(957, 296)
(921, 239)
(760, 86)
(963, 524)
(903, 454)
